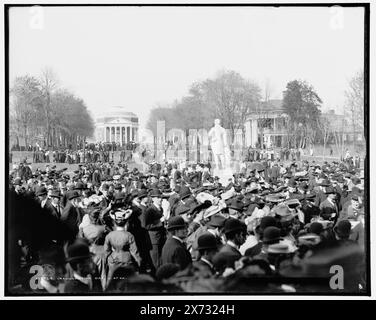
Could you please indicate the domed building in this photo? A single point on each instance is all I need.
(117, 125)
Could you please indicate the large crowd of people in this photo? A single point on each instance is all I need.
(274, 227)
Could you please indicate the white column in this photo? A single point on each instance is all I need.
(248, 133)
(254, 132)
(126, 134)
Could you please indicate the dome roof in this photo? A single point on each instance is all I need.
(117, 111)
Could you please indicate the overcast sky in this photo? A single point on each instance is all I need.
(138, 57)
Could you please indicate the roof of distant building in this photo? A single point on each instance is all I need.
(116, 112)
(272, 105)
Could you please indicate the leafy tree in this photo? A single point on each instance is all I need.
(71, 119)
(25, 103)
(302, 104)
(162, 113)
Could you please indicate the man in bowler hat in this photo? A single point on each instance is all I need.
(82, 276)
(235, 232)
(175, 250)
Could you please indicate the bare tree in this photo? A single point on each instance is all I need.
(268, 90)
(354, 107)
(231, 98)
(325, 130)
(49, 83)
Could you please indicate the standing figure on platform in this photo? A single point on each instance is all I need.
(219, 145)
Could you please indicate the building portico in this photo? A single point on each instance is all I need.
(117, 126)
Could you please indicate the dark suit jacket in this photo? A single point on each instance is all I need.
(71, 216)
(320, 197)
(274, 172)
(226, 258)
(72, 285)
(96, 177)
(175, 252)
(154, 226)
(152, 218)
(54, 211)
(76, 286)
(121, 245)
(64, 199)
(205, 268)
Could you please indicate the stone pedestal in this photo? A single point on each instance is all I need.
(224, 175)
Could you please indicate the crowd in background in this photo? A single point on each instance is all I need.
(283, 154)
(92, 152)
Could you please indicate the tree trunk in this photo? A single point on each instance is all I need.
(25, 132)
(198, 147)
(232, 135)
(187, 145)
(353, 136)
(243, 146)
(84, 147)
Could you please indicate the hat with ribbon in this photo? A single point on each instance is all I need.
(72, 195)
(271, 235)
(41, 191)
(175, 223)
(184, 192)
(330, 190)
(292, 203)
(155, 192)
(206, 241)
(55, 194)
(216, 221)
(78, 250)
(236, 204)
(324, 183)
(279, 248)
(17, 182)
(343, 228)
(233, 225)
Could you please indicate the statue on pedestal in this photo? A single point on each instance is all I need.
(219, 145)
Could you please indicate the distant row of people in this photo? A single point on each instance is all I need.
(255, 154)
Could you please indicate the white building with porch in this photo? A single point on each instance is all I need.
(117, 125)
(267, 125)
